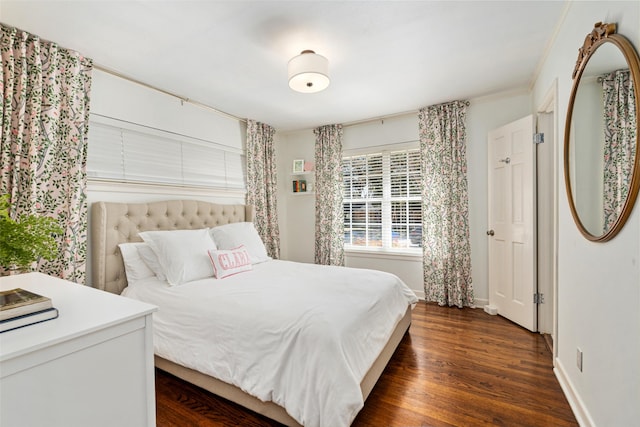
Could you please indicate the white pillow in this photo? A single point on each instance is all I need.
(228, 262)
(182, 253)
(230, 236)
(151, 259)
(134, 266)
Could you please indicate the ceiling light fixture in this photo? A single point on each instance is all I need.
(308, 72)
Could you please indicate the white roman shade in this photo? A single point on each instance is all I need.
(126, 152)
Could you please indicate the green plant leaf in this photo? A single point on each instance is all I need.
(24, 241)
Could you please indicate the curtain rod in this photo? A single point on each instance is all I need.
(166, 92)
(375, 119)
(390, 116)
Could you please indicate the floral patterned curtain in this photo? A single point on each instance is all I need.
(329, 213)
(619, 141)
(445, 206)
(261, 184)
(44, 122)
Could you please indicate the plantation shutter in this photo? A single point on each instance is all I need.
(382, 200)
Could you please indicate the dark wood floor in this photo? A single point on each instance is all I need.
(456, 367)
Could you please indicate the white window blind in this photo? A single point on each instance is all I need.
(382, 201)
(131, 153)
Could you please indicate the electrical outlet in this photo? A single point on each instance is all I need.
(579, 359)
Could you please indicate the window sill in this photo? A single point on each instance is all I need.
(375, 253)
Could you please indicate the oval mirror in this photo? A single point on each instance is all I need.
(601, 162)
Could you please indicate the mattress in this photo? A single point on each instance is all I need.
(300, 335)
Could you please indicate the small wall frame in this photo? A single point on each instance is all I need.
(298, 166)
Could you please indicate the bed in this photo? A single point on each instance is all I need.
(113, 224)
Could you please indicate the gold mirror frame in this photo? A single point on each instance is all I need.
(601, 34)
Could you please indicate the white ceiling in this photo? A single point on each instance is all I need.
(385, 57)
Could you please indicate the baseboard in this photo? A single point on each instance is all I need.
(577, 405)
(477, 303)
(480, 302)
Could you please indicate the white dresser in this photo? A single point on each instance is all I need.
(92, 366)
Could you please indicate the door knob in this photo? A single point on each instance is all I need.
(490, 233)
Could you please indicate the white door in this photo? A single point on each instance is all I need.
(511, 232)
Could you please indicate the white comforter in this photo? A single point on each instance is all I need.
(300, 335)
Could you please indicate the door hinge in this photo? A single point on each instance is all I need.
(538, 138)
(538, 298)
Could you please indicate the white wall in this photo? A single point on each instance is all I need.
(296, 213)
(598, 283)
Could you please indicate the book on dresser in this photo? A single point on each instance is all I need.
(18, 301)
(28, 319)
(20, 307)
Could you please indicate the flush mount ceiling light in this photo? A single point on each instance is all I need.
(308, 72)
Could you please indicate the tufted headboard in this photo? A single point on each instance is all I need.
(115, 223)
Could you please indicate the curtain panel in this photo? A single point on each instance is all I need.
(45, 114)
(329, 236)
(445, 206)
(262, 184)
(619, 141)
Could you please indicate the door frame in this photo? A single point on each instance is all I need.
(549, 104)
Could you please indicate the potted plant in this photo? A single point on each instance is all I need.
(26, 239)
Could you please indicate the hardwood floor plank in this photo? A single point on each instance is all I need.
(455, 367)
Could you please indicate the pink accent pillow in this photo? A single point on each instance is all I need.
(231, 261)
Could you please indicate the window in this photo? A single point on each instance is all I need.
(382, 201)
(126, 152)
